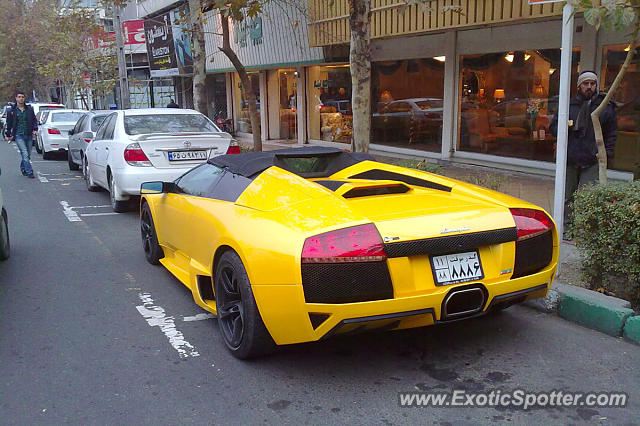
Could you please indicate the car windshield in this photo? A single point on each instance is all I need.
(48, 107)
(66, 116)
(97, 121)
(167, 123)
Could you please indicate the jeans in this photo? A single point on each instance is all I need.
(25, 142)
(576, 177)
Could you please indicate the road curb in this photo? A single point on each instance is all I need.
(591, 309)
(631, 330)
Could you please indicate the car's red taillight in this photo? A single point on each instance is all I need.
(234, 148)
(87, 140)
(134, 156)
(53, 131)
(360, 243)
(531, 222)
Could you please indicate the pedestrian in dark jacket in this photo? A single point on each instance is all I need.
(22, 126)
(172, 104)
(582, 151)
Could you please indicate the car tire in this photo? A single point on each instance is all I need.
(72, 165)
(86, 172)
(117, 205)
(38, 150)
(152, 250)
(4, 237)
(241, 326)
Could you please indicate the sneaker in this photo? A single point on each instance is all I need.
(31, 176)
(23, 173)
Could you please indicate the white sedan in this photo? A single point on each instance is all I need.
(53, 132)
(154, 144)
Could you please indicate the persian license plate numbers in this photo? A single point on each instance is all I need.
(187, 155)
(456, 268)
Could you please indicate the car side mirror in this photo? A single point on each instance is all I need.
(157, 187)
(70, 132)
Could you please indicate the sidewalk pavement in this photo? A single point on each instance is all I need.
(567, 297)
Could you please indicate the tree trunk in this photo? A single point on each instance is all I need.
(360, 62)
(199, 57)
(595, 115)
(254, 116)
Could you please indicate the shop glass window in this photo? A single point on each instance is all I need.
(329, 103)
(627, 97)
(243, 121)
(507, 101)
(407, 103)
(288, 96)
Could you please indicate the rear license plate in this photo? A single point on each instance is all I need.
(456, 268)
(187, 155)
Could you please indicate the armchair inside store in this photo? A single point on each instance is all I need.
(508, 100)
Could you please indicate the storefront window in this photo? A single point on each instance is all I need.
(288, 94)
(329, 109)
(507, 101)
(407, 103)
(243, 121)
(627, 97)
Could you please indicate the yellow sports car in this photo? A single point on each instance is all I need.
(296, 245)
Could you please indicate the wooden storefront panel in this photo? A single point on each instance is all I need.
(330, 24)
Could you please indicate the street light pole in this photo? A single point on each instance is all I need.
(122, 63)
(563, 116)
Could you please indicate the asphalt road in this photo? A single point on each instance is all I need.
(92, 334)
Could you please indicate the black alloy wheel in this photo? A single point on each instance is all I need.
(239, 320)
(152, 250)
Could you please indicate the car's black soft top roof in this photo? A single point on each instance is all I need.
(251, 163)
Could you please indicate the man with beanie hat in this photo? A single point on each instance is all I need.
(582, 160)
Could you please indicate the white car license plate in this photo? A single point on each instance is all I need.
(456, 268)
(187, 155)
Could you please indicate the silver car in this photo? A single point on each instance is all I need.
(142, 145)
(83, 133)
(53, 133)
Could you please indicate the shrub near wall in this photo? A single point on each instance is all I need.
(606, 229)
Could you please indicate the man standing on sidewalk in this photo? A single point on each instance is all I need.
(582, 151)
(21, 127)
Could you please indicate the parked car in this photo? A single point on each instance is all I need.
(3, 117)
(53, 132)
(39, 106)
(81, 134)
(139, 145)
(409, 119)
(4, 231)
(296, 245)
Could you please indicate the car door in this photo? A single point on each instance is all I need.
(74, 145)
(101, 148)
(98, 170)
(175, 229)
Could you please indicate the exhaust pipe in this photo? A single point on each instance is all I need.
(463, 302)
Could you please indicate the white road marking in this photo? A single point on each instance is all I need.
(199, 317)
(155, 316)
(69, 213)
(42, 178)
(99, 214)
(92, 207)
(71, 178)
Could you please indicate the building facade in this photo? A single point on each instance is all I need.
(471, 81)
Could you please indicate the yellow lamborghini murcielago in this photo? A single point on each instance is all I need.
(296, 245)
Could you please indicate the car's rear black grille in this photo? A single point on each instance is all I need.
(450, 244)
(346, 282)
(533, 254)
